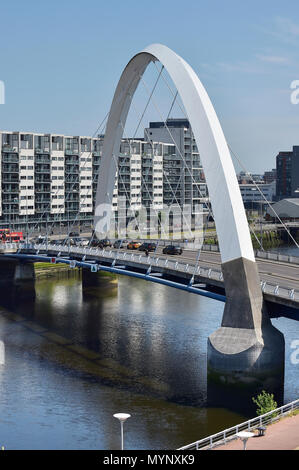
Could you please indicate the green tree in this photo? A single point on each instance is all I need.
(265, 402)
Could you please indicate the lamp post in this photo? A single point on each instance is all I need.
(244, 436)
(122, 417)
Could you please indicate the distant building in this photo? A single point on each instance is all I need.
(287, 167)
(270, 176)
(248, 178)
(287, 209)
(254, 195)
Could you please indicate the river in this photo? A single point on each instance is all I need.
(72, 360)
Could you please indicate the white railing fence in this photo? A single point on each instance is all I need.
(223, 437)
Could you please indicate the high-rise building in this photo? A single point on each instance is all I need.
(185, 175)
(287, 179)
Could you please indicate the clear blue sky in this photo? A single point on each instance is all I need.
(61, 60)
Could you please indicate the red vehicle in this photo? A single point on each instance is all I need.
(6, 236)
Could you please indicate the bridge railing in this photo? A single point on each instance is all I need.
(151, 261)
(277, 257)
(269, 255)
(229, 434)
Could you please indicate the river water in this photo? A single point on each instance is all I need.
(72, 360)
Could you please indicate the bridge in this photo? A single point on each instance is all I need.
(203, 276)
(246, 349)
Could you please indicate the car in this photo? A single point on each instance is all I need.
(68, 242)
(147, 247)
(74, 234)
(80, 241)
(36, 240)
(55, 242)
(133, 245)
(95, 243)
(119, 244)
(84, 242)
(105, 242)
(39, 239)
(172, 250)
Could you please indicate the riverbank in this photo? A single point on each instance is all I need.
(44, 270)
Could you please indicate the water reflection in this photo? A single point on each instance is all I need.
(73, 360)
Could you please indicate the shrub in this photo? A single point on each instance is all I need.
(265, 402)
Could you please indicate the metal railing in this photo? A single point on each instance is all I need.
(229, 434)
(277, 257)
(160, 261)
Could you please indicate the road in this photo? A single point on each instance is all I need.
(283, 274)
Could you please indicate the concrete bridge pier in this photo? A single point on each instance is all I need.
(247, 353)
(17, 281)
(98, 283)
(24, 281)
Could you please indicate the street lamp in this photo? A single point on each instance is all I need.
(244, 436)
(122, 417)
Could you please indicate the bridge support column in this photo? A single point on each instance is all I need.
(99, 283)
(246, 354)
(24, 281)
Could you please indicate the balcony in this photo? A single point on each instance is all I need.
(39, 170)
(40, 179)
(10, 169)
(41, 190)
(6, 178)
(10, 159)
(42, 150)
(42, 160)
(7, 148)
(10, 212)
(13, 200)
(42, 199)
(10, 191)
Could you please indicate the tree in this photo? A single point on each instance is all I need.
(265, 403)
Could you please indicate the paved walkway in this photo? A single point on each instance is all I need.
(283, 435)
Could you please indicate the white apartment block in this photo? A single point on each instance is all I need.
(52, 178)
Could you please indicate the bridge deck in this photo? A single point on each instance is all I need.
(279, 280)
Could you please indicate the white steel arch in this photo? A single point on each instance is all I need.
(228, 209)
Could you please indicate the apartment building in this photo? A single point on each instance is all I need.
(51, 179)
(47, 178)
(184, 175)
